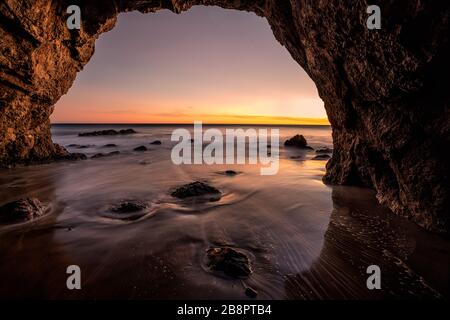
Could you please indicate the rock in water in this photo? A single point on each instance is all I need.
(194, 189)
(129, 206)
(21, 210)
(230, 261)
(110, 132)
(321, 157)
(141, 148)
(156, 142)
(297, 141)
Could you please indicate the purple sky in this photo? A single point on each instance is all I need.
(205, 64)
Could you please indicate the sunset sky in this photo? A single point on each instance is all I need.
(208, 64)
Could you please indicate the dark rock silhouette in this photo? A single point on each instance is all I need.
(141, 148)
(382, 89)
(110, 132)
(230, 261)
(102, 155)
(129, 206)
(324, 150)
(156, 142)
(21, 210)
(110, 145)
(297, 141)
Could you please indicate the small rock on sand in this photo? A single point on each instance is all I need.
(195, 189)
(156, 142)
(102, 155)
(21, 210)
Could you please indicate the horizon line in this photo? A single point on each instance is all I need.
(190, 123)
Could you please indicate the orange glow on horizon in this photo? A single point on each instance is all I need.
(205, 118)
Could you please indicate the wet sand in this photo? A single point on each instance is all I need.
(305, 240)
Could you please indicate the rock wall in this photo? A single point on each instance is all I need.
(385, 91)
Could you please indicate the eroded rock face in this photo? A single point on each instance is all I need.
(382, 89)
(229, 261)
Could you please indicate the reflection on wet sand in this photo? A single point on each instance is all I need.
(413, 263)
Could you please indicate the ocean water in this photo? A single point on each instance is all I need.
(304, 239)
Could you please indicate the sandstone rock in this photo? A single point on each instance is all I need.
(297, 141)
(21, 210)
(195, 189)
(141, 148)
(230, 261)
